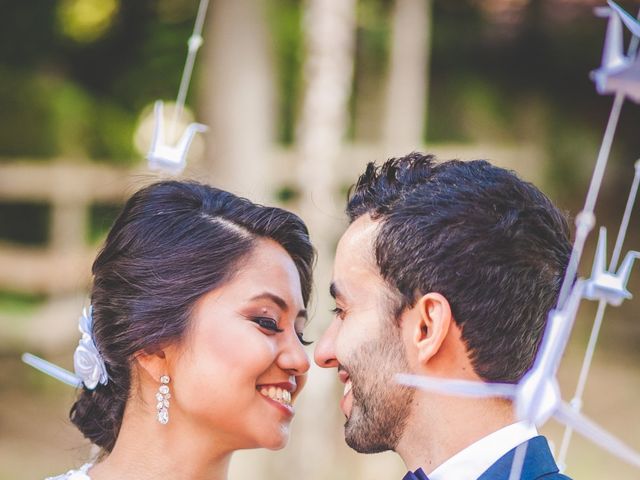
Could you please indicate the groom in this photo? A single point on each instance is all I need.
(448, 270)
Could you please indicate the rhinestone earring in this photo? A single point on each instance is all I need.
(163, 397)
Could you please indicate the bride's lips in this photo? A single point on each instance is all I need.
(279, 395)
(346, 403)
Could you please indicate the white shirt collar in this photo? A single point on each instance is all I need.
(474, 460)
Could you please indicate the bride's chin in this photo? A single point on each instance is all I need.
(277, 442)
(278, 446)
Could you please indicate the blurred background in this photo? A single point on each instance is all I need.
(298, 97)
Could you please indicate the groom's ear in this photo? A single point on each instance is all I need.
(434, 313)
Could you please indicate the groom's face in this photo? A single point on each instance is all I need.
(366, 345)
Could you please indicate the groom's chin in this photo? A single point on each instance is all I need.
(366, 446)
(358, 437)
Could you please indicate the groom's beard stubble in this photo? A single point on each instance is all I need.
(381, 407)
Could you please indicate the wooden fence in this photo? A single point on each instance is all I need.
(71, 187)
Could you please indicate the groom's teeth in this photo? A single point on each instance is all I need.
(347, 388)
(277, 394)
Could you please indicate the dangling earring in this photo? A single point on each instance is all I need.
(163, 397)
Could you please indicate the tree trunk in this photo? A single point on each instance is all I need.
(406, 98)
(239, 95)
(329, 27)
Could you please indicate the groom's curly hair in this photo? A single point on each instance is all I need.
(494, 245)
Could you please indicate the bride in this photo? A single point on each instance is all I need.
(192, 347)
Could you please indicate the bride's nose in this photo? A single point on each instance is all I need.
(292, 358)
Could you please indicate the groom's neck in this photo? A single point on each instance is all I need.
(441, 426)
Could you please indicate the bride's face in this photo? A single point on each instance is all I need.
(241, 365)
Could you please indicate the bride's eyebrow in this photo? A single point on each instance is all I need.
(279, 301)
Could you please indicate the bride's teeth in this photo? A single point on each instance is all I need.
(277, 394)
(347, 388)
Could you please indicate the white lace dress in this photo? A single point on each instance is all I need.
(80, 474)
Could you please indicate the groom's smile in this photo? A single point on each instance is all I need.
(346, 404)
(364, 343)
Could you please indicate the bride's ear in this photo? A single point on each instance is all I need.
(152, 364)
(433, 327)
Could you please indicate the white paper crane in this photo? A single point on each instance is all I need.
(605, 285)
(172, 158)
(576, 401)
(619, 73)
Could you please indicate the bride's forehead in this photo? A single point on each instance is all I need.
(268, 268)
(267, 257)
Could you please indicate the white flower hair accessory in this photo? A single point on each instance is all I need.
(87, 361)
(90, 369)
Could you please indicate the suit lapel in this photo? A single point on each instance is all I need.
(538, 461)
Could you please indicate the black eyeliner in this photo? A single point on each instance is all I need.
(267, 323)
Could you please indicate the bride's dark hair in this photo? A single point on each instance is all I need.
(172, 243)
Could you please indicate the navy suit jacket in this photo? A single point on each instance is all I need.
(538, 464)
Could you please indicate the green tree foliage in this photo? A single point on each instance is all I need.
(500, 72)
(64, 93)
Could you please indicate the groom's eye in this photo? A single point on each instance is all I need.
(338, 312)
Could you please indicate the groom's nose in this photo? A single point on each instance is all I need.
(325, 353)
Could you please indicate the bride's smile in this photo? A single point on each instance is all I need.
(242, 363)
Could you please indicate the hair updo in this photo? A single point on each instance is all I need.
(172, 243)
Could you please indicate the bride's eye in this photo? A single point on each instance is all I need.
(302, 340)
(267, 323)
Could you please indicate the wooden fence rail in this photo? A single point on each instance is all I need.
(71, 187)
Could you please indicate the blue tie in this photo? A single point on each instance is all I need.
(417, 475)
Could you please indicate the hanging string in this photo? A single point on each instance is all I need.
(518, 461)
(576, 402)
(625, 219)
(585, 219)
(194, 43)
